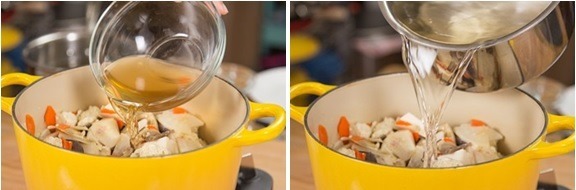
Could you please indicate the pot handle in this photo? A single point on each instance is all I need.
(248, 137)
(314, 88)
(15, 79)
(545, 149)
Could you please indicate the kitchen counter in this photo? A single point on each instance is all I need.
(301, 173)
(269, 156)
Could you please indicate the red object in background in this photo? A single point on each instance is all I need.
(299, 25)
(275, 60)
(7, 14)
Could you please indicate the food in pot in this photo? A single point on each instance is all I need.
(100, 131)
(400, 142)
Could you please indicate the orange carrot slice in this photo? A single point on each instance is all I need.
(179, 110)
(356, 139)
(415, 135)
(448, 139)
(107, 111)
(343, 127)
(477, 123)
(62, 127)
(66, 144)
(120, 124)
(152, 127)
(50, 116)
(30, 126)
(322, 135)
(359, 155)
(402, 123)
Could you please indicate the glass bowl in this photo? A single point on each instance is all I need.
(189, 34)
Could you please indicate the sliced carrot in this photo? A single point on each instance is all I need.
(179, 110)
(62, 127)
(120, 124)
(359, 155)
(322, 135)
(50, 116)
(477, 123)
(402, 123)
(356, 139)
(343, 127)
(152, 127)
(30, 126)
(448, 139)
(415, 135)
(66, 144)
(107, 111)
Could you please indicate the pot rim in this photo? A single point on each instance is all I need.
(209, 145)
(309, 132)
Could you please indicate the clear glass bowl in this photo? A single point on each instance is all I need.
(190, 34)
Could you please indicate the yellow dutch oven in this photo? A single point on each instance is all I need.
(224, 109)
(521, 119)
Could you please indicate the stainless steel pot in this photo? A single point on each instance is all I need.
(505, 62)
(57, 51)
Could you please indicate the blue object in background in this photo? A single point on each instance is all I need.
(324, 67)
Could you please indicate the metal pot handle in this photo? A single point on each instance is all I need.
(545, 149)
(247, 137)
(297, 112)
(15, 79)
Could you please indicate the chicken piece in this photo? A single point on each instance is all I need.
(86, 118)
(483, 153)
(189, 142)
(54, 141)
(389, 159)
(479, 136)
(416, 161)
(183, 123)
(67, 118)
(415, 124)
(160, 147)
(122, 147)
(448, 132)
(383, 128)
(105, 131)
(458, 158)
(445, 146)
(361, 129)
(347, 151)
(401, 144)
(96, 148)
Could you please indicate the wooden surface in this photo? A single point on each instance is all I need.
(301, 174)
(269, 156)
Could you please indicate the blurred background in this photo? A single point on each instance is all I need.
(43, 38)
(340, 42)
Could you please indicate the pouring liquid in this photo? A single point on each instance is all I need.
(140, 83)
(432, 94)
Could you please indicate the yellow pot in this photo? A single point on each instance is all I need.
(520, 118)
(224, 109)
